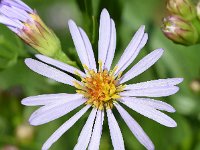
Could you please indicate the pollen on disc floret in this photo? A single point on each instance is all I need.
(100, 88)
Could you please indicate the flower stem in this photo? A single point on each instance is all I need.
(61, 56)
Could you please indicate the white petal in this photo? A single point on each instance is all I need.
(97, 132)
(151, 92)
(60, 65)
(89, 50)
(49, 72)
(79, 43)
(127, 62)
(104, 36)
(148, 102)
(131, 50)
(154, 84)
(115, 132)
(112, 47)
(53, 111)
(86, 132)
(153, 114)
(62, 129)
(142, 65)
(50, 98)
(135, 128)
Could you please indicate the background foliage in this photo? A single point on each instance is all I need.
(17, 81)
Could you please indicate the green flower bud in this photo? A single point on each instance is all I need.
(39, 36)
(179, 30)
(184, 8)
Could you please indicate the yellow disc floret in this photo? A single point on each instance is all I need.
(100, 88)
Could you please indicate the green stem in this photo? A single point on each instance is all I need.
(61, 56)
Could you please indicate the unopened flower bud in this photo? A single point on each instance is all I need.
(184, 8)
(179, 30)
(26, 23)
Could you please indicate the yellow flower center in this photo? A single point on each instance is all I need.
(100, 88)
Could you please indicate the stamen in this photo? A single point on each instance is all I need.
(78, 74)
(113, 71)
(100, 65)
(100, 88)
(78, 86)
(119, 75)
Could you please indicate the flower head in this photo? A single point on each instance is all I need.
(102, 89)
(26, 23)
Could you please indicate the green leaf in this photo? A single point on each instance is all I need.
(10, 48)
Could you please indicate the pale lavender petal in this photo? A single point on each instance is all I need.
(50, 98)
(9, 22)
(50, 72)
(151, 92)
(131, 50)
(86, 132)
(97, 131)
(152, 113)
(15, 13)
(17, 4)
(134, 55)
(104, 36)
(89, 50)
(53, 111)
(14, 29)
(61, 130)
(154, 83)
(115, 132)
(135, 128)
(79, 43)
(142, 65)
(112, 47)
(148, 102)
(60, 65)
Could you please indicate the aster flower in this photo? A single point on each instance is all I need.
(26, 23)
(102, 89)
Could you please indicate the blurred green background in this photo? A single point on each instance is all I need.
(17, 81)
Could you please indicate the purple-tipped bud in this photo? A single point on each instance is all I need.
(26, 23)
(179, 30)
(184, 8)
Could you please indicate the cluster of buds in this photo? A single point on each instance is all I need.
(182, 25)
(26, 23)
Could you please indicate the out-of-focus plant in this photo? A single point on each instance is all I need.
(195, 85)
(182, 25)
(198, 10)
